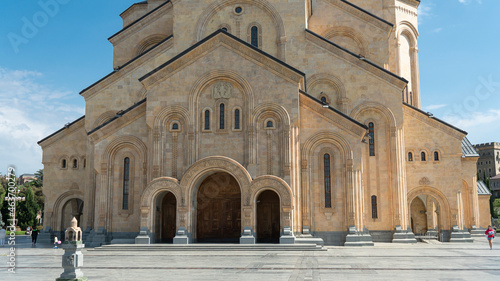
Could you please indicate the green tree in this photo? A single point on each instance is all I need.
(27, 210)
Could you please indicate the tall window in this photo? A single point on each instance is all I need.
(237, 119)
(221, 117)
(75, 163)
(371, 134)
(423, 156)
(207, 119)
(254, 33)
(126, 182)
(63, 164)
(328, 181)
(374, 207)
(436, 156)
(410, 157)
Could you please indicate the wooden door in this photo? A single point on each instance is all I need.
(168, 218)
(268, 217)
(219, 210)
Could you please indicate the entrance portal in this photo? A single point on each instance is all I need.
(219, 210)
(168, 218)
(268, 217)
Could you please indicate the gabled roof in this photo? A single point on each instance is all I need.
(126, 64)
(139, 19)
(228, 37)
(482, 189)
(468, 149)
(352, 55)
(118, 115)
(334, 110)
(62, 129)
(368, 13)
(135, 4)
(434, 118)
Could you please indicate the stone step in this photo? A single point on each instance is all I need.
(209, 247)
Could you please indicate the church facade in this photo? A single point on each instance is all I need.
(262, 121)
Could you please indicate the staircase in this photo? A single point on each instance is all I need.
(210, 247)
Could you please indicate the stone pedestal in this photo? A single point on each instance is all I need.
(307, 238)
(357, 238)
(460, 236)
(72, 261)
(181, 236)
(477, 232)
(287, 237)
(247, 236)
(143, 237)
(97, 237)
(403, 236)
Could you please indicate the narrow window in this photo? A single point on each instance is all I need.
(410, 157)
(175, 127)
(126, 182)
(328, 183)
(254, 33)
(84, 163)
(75, 163)
(224, 28)
(436, 156)
(269, 124)
(63, 164)
(237, 119)
(371, 134)
(207, 119)
(374, 207)
(422, 156)
(221, 116)
(323, 100)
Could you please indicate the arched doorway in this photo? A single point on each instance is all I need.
(418, 216)
(218, 210)
(168, 218)
(268, 217)
(424, 214)
(72, 208)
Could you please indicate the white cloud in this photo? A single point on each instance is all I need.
(30, 111)
(482, 126)
(434, 107)
(469, 1)
(424, 11)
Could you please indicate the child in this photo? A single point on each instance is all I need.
(56, 241)
(490, 234)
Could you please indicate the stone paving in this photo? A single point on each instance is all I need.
(421, 261)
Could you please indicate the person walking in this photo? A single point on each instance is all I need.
(34, 236)
(2, 236)
(56, 241)
(490, 235)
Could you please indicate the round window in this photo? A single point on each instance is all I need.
(238, 10)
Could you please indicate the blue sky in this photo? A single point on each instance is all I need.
(47, 56)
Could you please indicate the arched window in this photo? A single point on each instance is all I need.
(269, 124)
(175, 127)
(254, 34)
(237, 119)
(327, 180)
(224, 28)
(410, 157)
(436, 156)
(221, 116)
(323, 100)
(371, 135)
(63, 164)
(75, 163)
(423, 156)
(207, 119)
(84, 163)
(126, 182)
(374, 207)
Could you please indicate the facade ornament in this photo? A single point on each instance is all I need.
(222, 90)
(424, 181)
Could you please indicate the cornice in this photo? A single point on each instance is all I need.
(428, 120)
(414, 3)
(362, 14)
(69, 129)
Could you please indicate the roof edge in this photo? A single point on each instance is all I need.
(435, 118)
(60, 130)
(118, 115)
(368, 13)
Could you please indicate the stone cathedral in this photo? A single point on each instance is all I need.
(263, 121)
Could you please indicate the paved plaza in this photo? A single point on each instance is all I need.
(421, 261)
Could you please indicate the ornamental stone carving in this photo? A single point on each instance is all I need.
(222, 90)
(424, 181)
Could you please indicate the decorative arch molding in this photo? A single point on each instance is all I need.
(386, 112)
(59, 205)
(278, 110)
(148, 42)
(409, 30)
(103, 118)
(124, 142)
(169, 112)
(444, 205)
(349, 33)
(335, 83)
(327, 137)
(207, 166)
(273, 183)
(269, 9)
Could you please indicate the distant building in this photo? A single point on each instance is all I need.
(495, 186)
(489, 160)
(24, 178)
